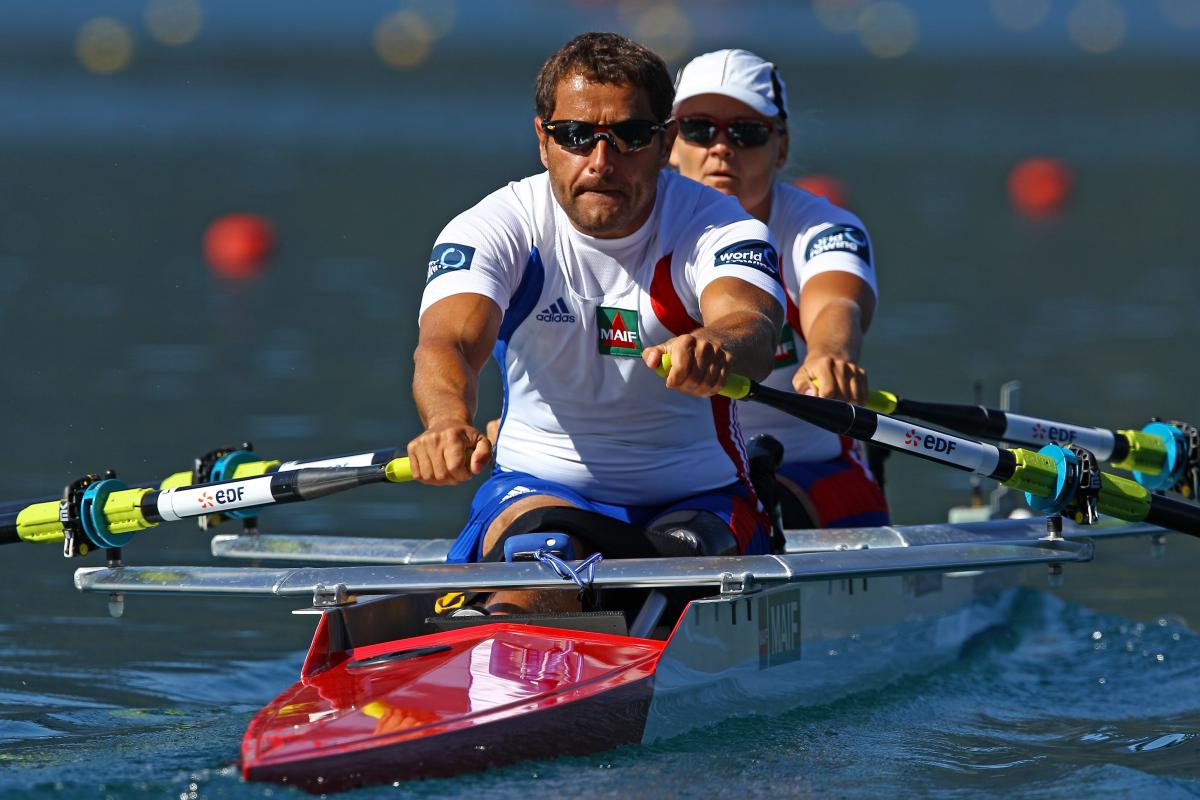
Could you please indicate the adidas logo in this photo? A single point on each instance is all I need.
(556, 312)
(516, 491)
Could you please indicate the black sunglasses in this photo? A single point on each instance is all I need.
(581, 137)
(703, 130)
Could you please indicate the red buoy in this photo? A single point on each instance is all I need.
(237, 245)
(1039, 188)
(825, 186)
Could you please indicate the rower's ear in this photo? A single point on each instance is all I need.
(781, 160)
(667, 155)
(542, 138)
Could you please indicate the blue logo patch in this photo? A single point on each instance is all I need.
(844, 238)
(750, 253)
(447, 258)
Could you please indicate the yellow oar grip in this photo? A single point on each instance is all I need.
(736, 386)
(398, 470)
(253, 469)
(175, 480)
(882, 402)
(1147, 453)
(39, 523)
(878, 400)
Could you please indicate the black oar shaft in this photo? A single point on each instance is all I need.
(1177, 515)
(971, 420)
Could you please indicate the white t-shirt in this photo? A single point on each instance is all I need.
(580, 407)
(813, 236)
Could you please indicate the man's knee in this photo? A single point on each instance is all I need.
(505, 518)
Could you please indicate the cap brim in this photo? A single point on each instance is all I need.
(752, 99)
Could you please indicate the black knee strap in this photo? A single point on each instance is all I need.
(610, 536)
(693, 533)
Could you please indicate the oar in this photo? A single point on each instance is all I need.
(220, 465)
(106, 513)
(1158, 455)
(239, 463)
(1051, 478)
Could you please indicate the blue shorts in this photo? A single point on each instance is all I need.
(733, 504)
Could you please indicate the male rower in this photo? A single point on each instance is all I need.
(731, 109)
(579, 280)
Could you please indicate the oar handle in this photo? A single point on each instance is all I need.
(398, 470)
(882, 402)
(736, 386)
(1040, 475)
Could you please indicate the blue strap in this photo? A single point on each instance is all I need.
(569, 573)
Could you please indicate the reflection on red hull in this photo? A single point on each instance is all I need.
(453, 702)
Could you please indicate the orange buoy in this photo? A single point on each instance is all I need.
(825, 186)
(237, 245)
(1040, 187)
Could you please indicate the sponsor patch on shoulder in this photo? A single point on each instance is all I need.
(750, 253)
(845, 238)
(449, 257)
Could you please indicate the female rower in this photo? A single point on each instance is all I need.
(731, 107)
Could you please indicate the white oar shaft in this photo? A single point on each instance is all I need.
(963, 453)
(1030, 430)
(186, 502)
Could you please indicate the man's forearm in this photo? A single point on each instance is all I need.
(836, 331)
(750, 338)
(445, 386)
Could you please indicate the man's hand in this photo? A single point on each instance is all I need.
(448, 453)
(836, 377)
(699, 365)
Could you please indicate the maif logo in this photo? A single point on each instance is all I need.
(786, 353)
(618, 332)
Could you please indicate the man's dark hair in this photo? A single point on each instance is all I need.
(606, 58)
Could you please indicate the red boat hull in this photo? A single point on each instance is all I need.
(453, 702)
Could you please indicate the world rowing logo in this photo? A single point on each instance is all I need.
(843, 238)
(1038, 431)
(912, 438)
(449, 257)
(206, 500)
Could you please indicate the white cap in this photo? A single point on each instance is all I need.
(734, 73)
